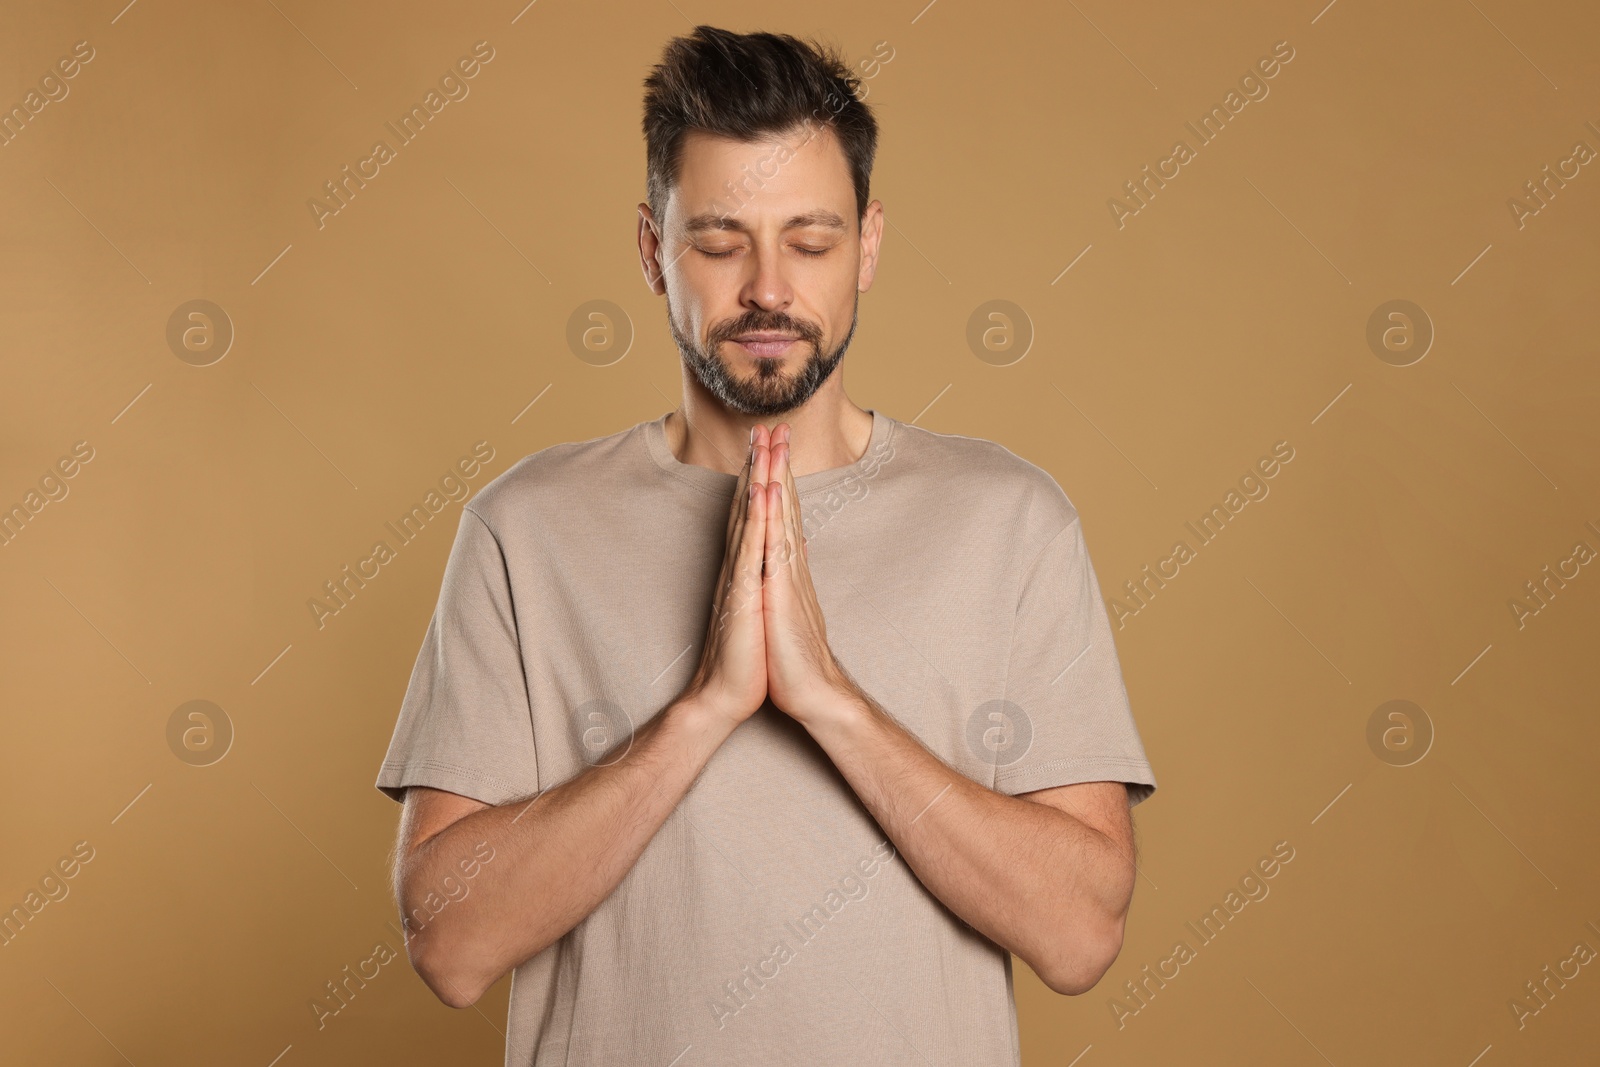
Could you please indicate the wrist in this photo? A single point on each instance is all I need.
(702, 718)
(840, 711)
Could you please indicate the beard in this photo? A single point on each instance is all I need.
(769, 391)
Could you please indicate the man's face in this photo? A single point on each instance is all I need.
(764, 265)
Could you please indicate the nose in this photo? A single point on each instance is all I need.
(767, 285)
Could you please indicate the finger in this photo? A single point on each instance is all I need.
(791, 505)
(796, 523)
(760, 469)
(796, 534)
(747, 572)
(753, 537)
(780, 460)
(778, 546)
(791, 513)
(785, 434)
(744, 469)
(795, 555)
(739, 506)
(726, 602)
(763, 455)
(738, 512)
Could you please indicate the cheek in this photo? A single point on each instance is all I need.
(685, 305)
(843, 306)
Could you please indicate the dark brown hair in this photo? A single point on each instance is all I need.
(742, 86)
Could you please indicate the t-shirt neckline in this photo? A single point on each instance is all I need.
(721, 483)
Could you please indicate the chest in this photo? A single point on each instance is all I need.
(613, 608)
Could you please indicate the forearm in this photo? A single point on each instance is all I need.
(555, 858)
(1036, 881)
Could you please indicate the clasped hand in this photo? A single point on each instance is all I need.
(767, 637)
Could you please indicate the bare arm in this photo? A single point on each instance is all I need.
(541, 865)
(1047, 876)
(554, 858)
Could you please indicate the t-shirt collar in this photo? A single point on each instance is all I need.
(721, 483)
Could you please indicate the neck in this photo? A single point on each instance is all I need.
(826, 431)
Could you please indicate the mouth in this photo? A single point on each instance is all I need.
(766, 345)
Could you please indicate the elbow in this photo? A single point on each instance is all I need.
(439, 964)
(452, 995)
(453, 988)
(443, 951)
(1080, 964)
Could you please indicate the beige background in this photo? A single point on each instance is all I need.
(1229, 314)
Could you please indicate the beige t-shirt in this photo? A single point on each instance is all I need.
(770, 920)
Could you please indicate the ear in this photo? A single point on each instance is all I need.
(651, 249)
(871, 239)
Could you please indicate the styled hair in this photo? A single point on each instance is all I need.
(742, 86)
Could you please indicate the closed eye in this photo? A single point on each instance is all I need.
(798, 248)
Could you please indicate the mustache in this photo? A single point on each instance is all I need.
(754, 321)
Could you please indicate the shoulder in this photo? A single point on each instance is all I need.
(555, 474)
(985, 476)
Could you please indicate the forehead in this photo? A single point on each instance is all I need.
(801, 171)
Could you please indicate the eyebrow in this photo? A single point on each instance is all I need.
(712, 221)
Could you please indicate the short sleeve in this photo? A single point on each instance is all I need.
(1065, 682)
(465, 724)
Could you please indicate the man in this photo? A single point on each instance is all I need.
(765, 731)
